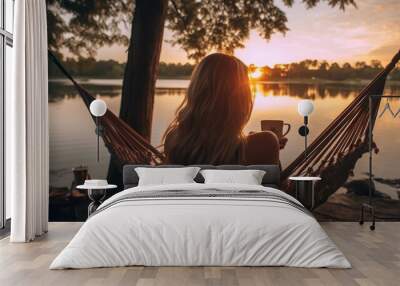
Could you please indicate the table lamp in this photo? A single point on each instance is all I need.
(98, 108)
(305, 108)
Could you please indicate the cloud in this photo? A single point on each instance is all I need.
(384, 52)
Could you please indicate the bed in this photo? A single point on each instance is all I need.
(198, 224)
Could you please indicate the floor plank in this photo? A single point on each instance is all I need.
(375, 257)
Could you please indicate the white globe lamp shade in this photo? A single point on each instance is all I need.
(305, 107)
(98, 108)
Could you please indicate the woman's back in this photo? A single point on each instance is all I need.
(257, 148)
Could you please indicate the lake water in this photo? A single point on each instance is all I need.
(73, 141)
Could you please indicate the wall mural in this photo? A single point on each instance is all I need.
(289, 58)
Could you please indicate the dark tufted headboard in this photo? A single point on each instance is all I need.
(271, 177)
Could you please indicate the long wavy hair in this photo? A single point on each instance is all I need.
(208, 128)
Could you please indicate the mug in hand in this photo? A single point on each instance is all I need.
(275, 126)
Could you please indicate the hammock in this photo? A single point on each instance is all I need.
(120, 139)
(335, 152)
(332, 155)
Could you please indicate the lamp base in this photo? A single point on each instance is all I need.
(303, 131)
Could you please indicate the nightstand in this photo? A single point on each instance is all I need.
(96, 194)
(305, 190)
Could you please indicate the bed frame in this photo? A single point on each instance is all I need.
(271, 177)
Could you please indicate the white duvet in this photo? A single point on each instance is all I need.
(200, 231)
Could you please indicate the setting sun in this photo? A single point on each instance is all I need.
(256, 74)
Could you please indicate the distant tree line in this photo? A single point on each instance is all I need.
(90, 68)
(314, 69)
(307, 69)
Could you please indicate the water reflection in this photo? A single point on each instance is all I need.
(315, 91)
(61, 90)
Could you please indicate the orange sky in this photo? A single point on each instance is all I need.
(371, 31)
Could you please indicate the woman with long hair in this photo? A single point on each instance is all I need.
(208, 128)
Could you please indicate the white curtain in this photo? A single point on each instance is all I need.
(27, 147)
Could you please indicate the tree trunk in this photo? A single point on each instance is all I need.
(141, 72)
(142, 65)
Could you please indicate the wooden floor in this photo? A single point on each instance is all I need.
(375, 257)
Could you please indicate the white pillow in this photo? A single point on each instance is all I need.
(248, 177)
(165, 176)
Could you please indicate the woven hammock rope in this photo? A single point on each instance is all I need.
(332, 155)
